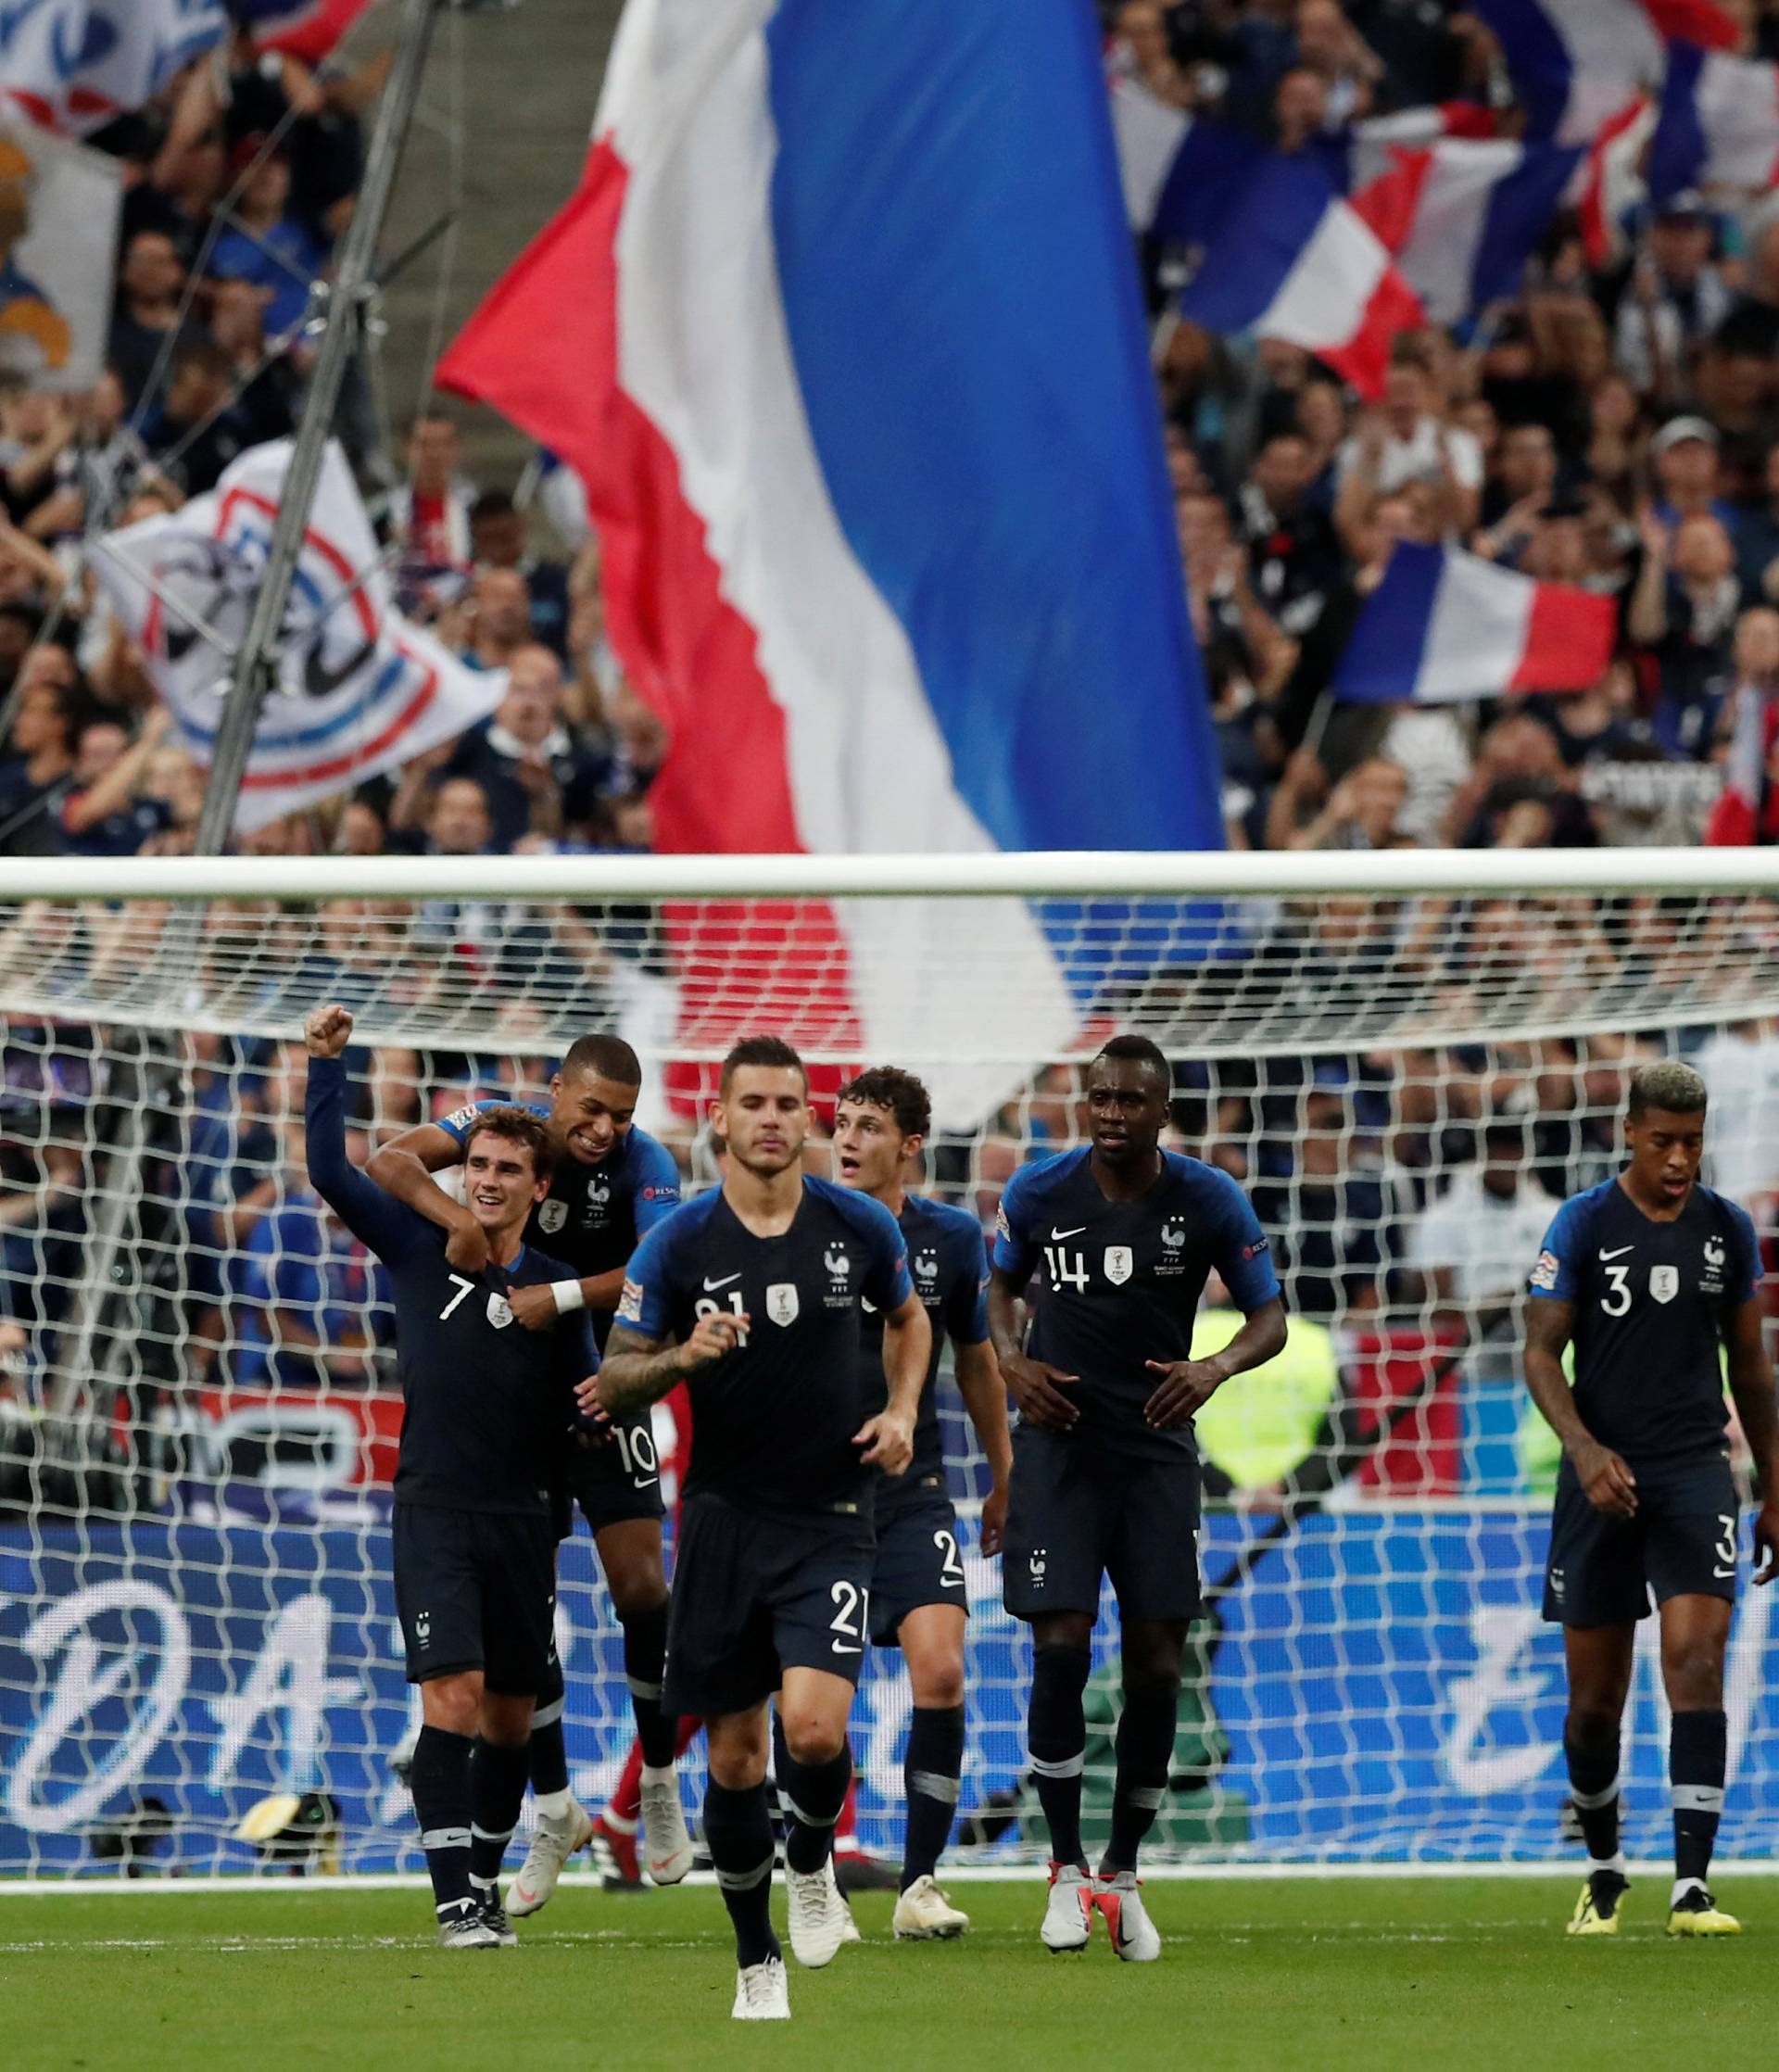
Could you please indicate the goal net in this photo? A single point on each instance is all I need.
(1407, 1061)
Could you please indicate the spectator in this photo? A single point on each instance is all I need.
(1363, 811)
(310, 1290)
(106, 810)
(201, 428)
(144, 326)
(266, 391)
(1686, 620)
(1405, 441)
(1328, 1202)
(497, 617)
(270, 245)
(1675, 299)
(1294, 557)
(430, 512)
(535, 778)
(498, 540)
(40, 773)
(1684, 452)
(1518, 767)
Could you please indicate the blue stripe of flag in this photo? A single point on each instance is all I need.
(1381, 665)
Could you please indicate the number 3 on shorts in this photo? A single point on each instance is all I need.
(849, 1620)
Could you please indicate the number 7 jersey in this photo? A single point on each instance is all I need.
(1651, 1299)
(1119, 1282)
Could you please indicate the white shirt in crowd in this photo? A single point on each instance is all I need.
(1490, 1242)
(1741, 1071)
(1416, 457)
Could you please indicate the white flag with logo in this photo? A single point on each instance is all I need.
(76, 65)
(359, 690)
(60, 205)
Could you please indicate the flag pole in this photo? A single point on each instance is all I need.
(349, 297)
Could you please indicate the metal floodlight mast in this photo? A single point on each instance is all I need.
(353, 290)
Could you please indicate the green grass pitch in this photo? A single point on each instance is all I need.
(1434, 1975)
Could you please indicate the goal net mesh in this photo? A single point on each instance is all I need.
(198, 1423)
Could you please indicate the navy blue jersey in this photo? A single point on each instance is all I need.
(594, 1216)
(950, 1276)
(774, 1420)
(1652, 1302)
(1119, 1280)
(488, 1403)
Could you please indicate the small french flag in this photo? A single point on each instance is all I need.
(1574, 62)
(1444, 626)
(1461, 218)
(1718, 123)
(1181, 174)
(1293, 260)
(1368, 147)
(1614, 181)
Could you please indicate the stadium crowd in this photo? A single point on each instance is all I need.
(1615, 425)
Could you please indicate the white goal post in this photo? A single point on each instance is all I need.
(1407, 1058)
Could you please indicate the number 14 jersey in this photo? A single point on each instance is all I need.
(1119, 1280)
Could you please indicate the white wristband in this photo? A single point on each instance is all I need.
(569, 1295)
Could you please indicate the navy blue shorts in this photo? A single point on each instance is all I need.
(756, 1593)
(476, 1589)
(917, 1563)
(1078, 1511)
(1602, 1572)
(617, 1478)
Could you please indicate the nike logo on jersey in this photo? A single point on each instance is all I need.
(1617, 1253)
(711, 1286)
(1075, 1233)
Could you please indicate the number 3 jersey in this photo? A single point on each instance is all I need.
(1651, 1302)
(594, 1216)
(488, 1403)
(1118, 1282)
(775, 1417)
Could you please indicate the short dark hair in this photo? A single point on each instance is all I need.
(1668, 1086)
(888, 1086)
(760, 1050)
(203, 356)
(521, 1127)
(610, 1056)
(1139, 1049)
(492, 503)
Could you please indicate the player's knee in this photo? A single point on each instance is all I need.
(936, 1682)
(640, 1597)
(1062, 1666)
(812, 1738)
(1591, 1725)
(1154, 1683)
(1693, 1672)
(452, 1704)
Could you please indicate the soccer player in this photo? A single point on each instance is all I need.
(612, 1185)
(751, 1296)
(1647, 1275)
(1121, 1237)
(918, 1599)
(483, 1436)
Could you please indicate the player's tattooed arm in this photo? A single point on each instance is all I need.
(1186, 1385)
(1035, 1386)
(1750, 1376)
(1604, 1475)
(639, 1370)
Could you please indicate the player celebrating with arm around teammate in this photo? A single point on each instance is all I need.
(487, 1408)
(1648, 1274)
(918, 1599)
(751, 1294)
(1121, 1237)
(611, 1185)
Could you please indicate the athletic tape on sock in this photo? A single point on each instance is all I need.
(744, 1881)
(931, 1785)
(1068, 1766)
(547, 1715)
(445, 1837)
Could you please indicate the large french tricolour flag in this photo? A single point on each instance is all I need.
(306, 29)
(1461, 218)
(842, 330)
(1444, 626)
(1574, 63)
(1294, 260)
(1718, 123)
